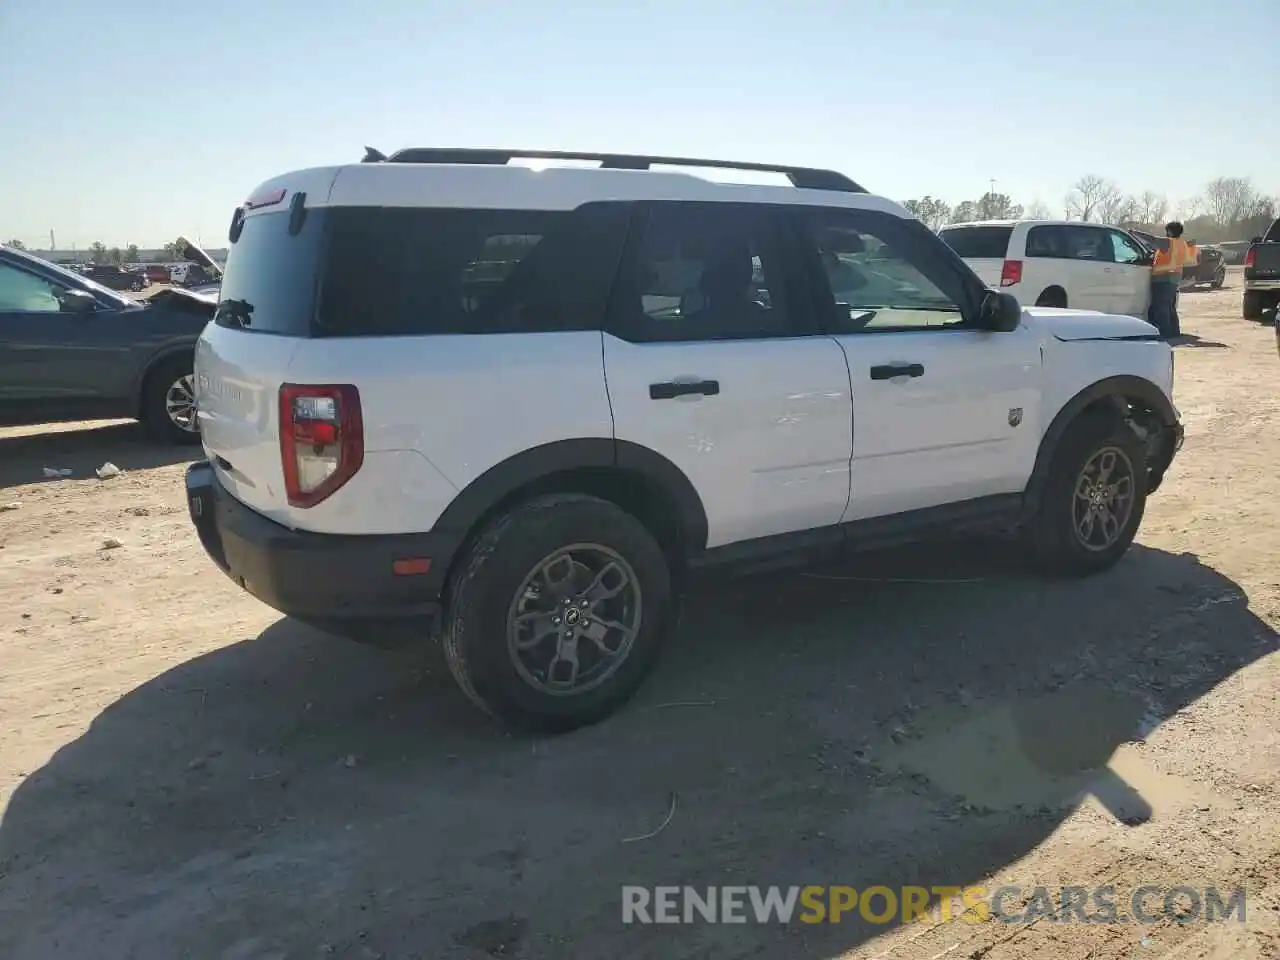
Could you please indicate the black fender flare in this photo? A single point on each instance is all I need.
(526, 469)
(1119, 390)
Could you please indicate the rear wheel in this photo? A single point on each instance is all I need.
(1219, 277)
(169, 404)
(1093, 500)
(1052, 297)
(1254, 304)
(557, 612)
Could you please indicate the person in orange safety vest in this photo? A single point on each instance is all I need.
(1166, 275)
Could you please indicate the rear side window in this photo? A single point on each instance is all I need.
(978, 243)
(402, 272)
(270, 281)
(1064, 242)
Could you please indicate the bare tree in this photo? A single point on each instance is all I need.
(1116, 208)
(930, 211)
(1088, 195)
(1228, 200)
(1038, 210)
(1152, 207)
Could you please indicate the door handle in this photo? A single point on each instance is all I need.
(683, 388)
(888, 371)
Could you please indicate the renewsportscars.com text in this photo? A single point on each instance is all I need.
(972, 904)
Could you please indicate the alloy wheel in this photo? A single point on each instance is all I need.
(180, 403)
(1103, 501)
(574, 619)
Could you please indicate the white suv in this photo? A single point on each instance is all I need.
(529, 404)
(1058, 263)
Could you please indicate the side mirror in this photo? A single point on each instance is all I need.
(77, 301)
(1001, 312)
(1256, 240)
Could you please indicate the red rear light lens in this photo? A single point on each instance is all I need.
(321, 440)
(1250, 257)
(1011, 273)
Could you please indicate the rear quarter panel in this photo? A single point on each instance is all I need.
(441, 410)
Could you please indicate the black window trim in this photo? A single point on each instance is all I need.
(802, 317)
(972, 290)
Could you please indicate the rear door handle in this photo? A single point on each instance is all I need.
(888, 371)
(683, 388)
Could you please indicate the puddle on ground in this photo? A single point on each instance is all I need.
(1050, 752)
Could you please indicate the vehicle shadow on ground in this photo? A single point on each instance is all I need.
(82, 450)
(1191, 340)
(919, 717)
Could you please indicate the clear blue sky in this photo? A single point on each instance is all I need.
(133, 122)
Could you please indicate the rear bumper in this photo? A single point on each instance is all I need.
(315, 576)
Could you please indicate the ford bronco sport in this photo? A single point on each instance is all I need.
(528, 404)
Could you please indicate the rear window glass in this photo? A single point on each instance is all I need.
(379, 271)
(270, 281)
(396, 272)
(978, 243)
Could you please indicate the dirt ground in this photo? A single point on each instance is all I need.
(185, 774)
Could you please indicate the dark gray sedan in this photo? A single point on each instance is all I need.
(71, 349)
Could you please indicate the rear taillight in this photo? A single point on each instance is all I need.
(1250, 257)
(321, 440)
(1011, 273)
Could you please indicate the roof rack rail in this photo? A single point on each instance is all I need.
(802, 177)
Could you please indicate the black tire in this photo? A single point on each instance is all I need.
(1253, 304)
(1052, 297)
(1219, 278)
(155, 395)
(1052, 533)
(484, 590)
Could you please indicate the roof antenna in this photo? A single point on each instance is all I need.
(373, 156)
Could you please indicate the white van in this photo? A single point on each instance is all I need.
(1058, 263)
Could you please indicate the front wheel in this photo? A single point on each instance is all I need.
(1093, 500)
(557, 612)
(1219, 278)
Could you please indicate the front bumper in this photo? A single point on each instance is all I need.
(1161, 449)
(318, 577)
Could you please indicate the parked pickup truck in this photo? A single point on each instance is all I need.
(1262, 274)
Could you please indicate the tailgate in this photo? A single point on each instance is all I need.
(264, 315)
(1266, 264)
(238, 377)
(988, 271)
